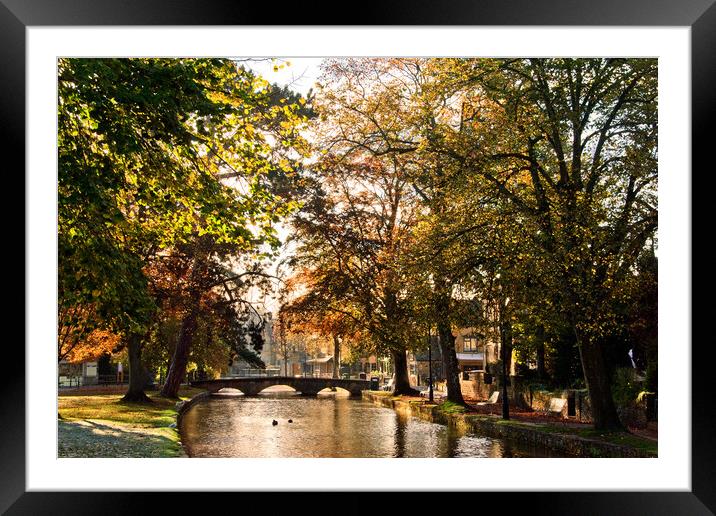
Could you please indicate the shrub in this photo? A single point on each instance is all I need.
(627, 393)
(625, 387)
(652, 370)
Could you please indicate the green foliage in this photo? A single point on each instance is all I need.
(155, 153)
(535, 387)
(642, 395)
(626, 387)
(514, 196)
(652, 376)
(535, 184)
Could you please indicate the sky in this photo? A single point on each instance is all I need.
(300, 73)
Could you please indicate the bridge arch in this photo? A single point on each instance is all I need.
(230, 391)
(338, 391)
(272, 389)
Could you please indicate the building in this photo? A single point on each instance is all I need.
(268, 351)
(474, 351)
(322, 366)
(423, 368)
(477, 357)
(77, 374)
(241, 368)
(99, 370)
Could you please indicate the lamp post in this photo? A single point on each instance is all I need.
(505, 401)
(430, 366)
(506, 335)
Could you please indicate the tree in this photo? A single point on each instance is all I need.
(572, 146)
(96, 344)
(381, 108)
(642, 315)
(312, 314)
(349, 233)
(567, 147)
(199, 288)
(284, 344)
(154, 153)
(225, 331)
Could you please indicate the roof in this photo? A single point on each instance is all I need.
(471, 356)
(321, 360)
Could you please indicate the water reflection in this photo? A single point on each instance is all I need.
(401, 428)
(330, 425)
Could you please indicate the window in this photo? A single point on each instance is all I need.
(469, 344)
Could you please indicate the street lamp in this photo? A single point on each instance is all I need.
(503, 351)
(430, 365)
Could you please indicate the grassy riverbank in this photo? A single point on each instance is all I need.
(102, 425)
(572, 439)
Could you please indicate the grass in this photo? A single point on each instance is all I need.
(619, 438)
(102, 425)
(448, 407)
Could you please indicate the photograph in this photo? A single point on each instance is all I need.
(357, 257)
(271, 254)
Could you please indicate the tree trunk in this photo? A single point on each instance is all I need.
(506, 351)
(541, 369)
(137, 373)
(336, 356)
(447, 346)
(604, 412)
(401, 377)
(452, 373)
(177, 370)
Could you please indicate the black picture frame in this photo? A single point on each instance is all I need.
(699, 15)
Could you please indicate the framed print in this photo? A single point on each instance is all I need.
(667, 73)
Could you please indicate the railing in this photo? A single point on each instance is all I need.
(261, 373)
(112, 379)
(256, 373)
(68, 382)
(318, 374)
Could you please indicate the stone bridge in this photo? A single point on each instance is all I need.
(307, 386)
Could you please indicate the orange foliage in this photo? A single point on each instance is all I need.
(95, 345)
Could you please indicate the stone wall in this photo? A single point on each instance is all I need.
(567, 444)
(475, 387)
(633, 415)
(638, 413)
(576, 406)
(570, 403)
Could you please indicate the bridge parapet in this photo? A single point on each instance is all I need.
(305, 385)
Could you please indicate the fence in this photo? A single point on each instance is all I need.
(68, 382)
(248, 372)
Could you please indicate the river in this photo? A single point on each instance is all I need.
(329, 425)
